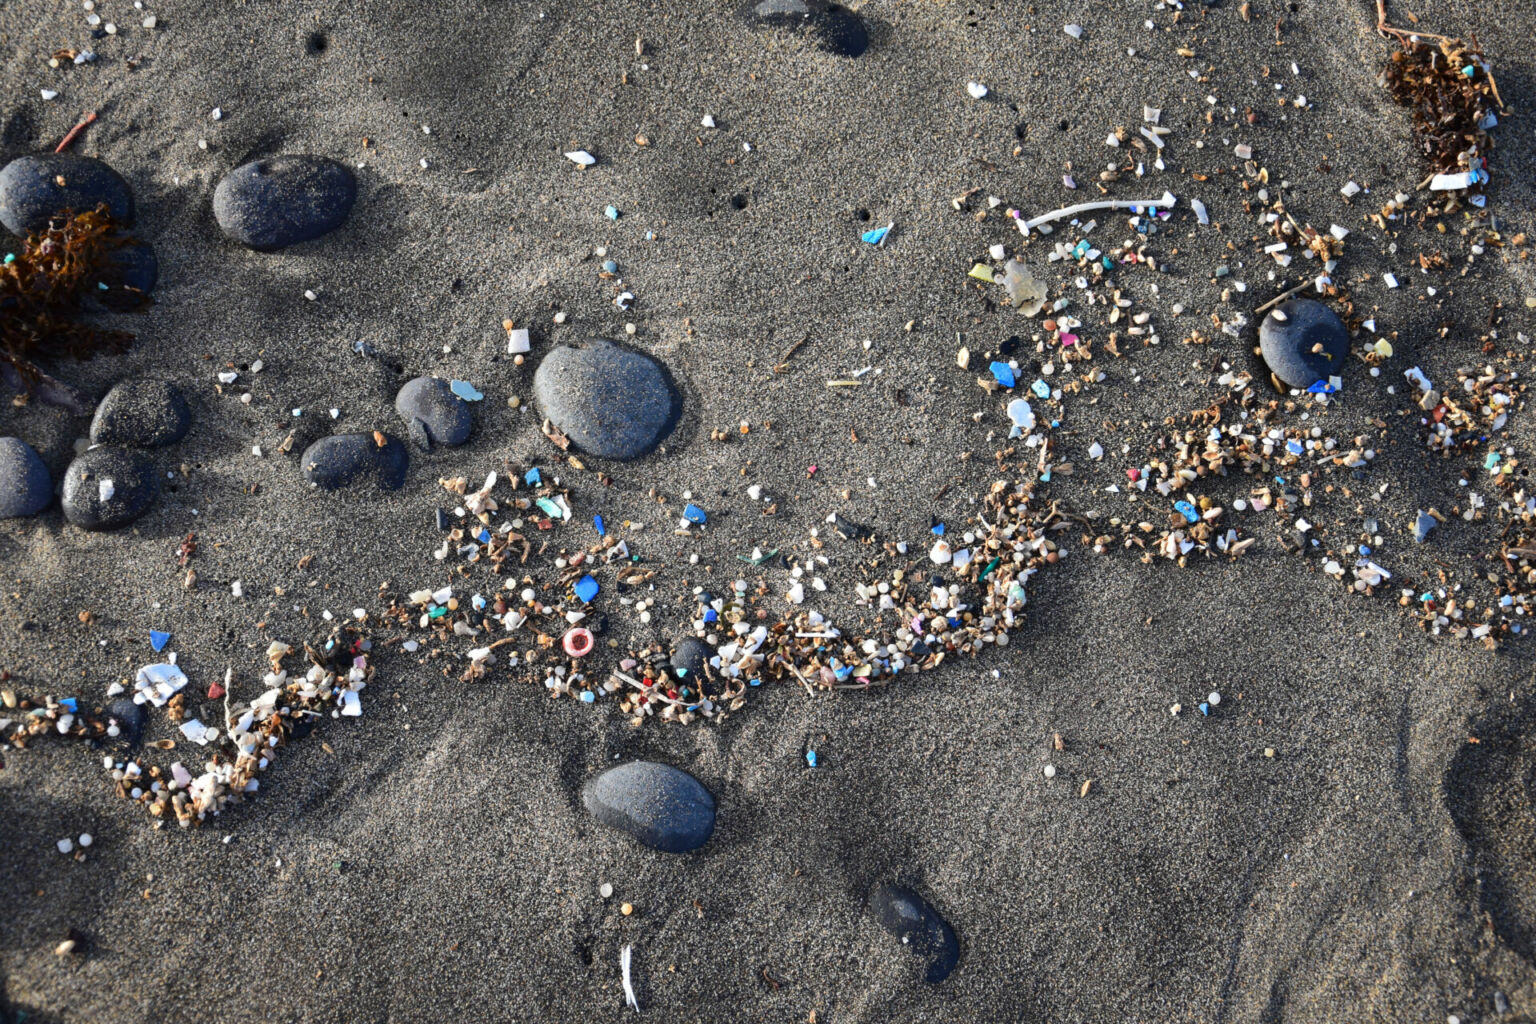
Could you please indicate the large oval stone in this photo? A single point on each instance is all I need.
(1303, 342)
(141, 413)
(105, 488)
(919, 926)
(611, 401)
(835, 28)
(35, 188)
(663, 807)
(433, 414)
(129, 272)
(26, 486)
(280, 201)
(344, 459)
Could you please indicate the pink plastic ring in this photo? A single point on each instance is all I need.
(577, 642)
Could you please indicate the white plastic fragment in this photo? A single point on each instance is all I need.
(1201, 213)
(582, 157)
(976, 89)
(1451, 182)
(1075, 31)
(517, 341)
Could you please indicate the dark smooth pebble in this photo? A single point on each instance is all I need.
(836, 29)
(26, 486)
(663, 807)
(129, 273)
(689, 661)
(30, 192)
(141, 413)
(433, 414)
(134, 486)
(919, 926)
(283, 200)
(130, 722)
(1287, 344)
(343, 459)
(610, 401)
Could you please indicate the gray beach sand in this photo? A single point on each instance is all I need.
(433, 861)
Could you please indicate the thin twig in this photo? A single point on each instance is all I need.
(75, 132)
(1282, 297)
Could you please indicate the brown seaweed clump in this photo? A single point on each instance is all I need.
(43, 289)
(1449, 89)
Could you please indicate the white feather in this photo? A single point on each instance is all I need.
(629, 989)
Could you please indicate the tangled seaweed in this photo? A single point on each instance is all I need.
(1449, 89)
(42, 290)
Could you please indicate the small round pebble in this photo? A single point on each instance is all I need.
(279, 201)
(105, 488)
(611, 401)
(920, 927)
(26, 486)
(37, 187)
(1291, 331)
(143, 413)
(605, 890)
(130, 721)
(690, 660)
(344, 459)
(663, 807)
(433, 414)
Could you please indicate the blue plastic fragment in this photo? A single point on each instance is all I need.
(158, 640)
(1003, 373)
(1321, 387)
(694, 514)
(1205, 709)
(843, 671)
(611, 212)
(710, 615)
(588, 697)
(938, 529)
(597, 521)
(465, 390)
(483, 536)
(532, 477)
(69, 702)
(1041, 388)
(1294, 447)
(810, 758)
(102, 285)
(1187, 510)
(586, 589)
(875, 236)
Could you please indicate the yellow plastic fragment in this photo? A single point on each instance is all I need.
(982, 272)
(1384, 348)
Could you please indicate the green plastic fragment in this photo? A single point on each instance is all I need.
(438, 612)
(988, 570)
(760, 559)
(551, 509)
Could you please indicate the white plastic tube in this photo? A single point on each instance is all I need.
(1165, 203)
